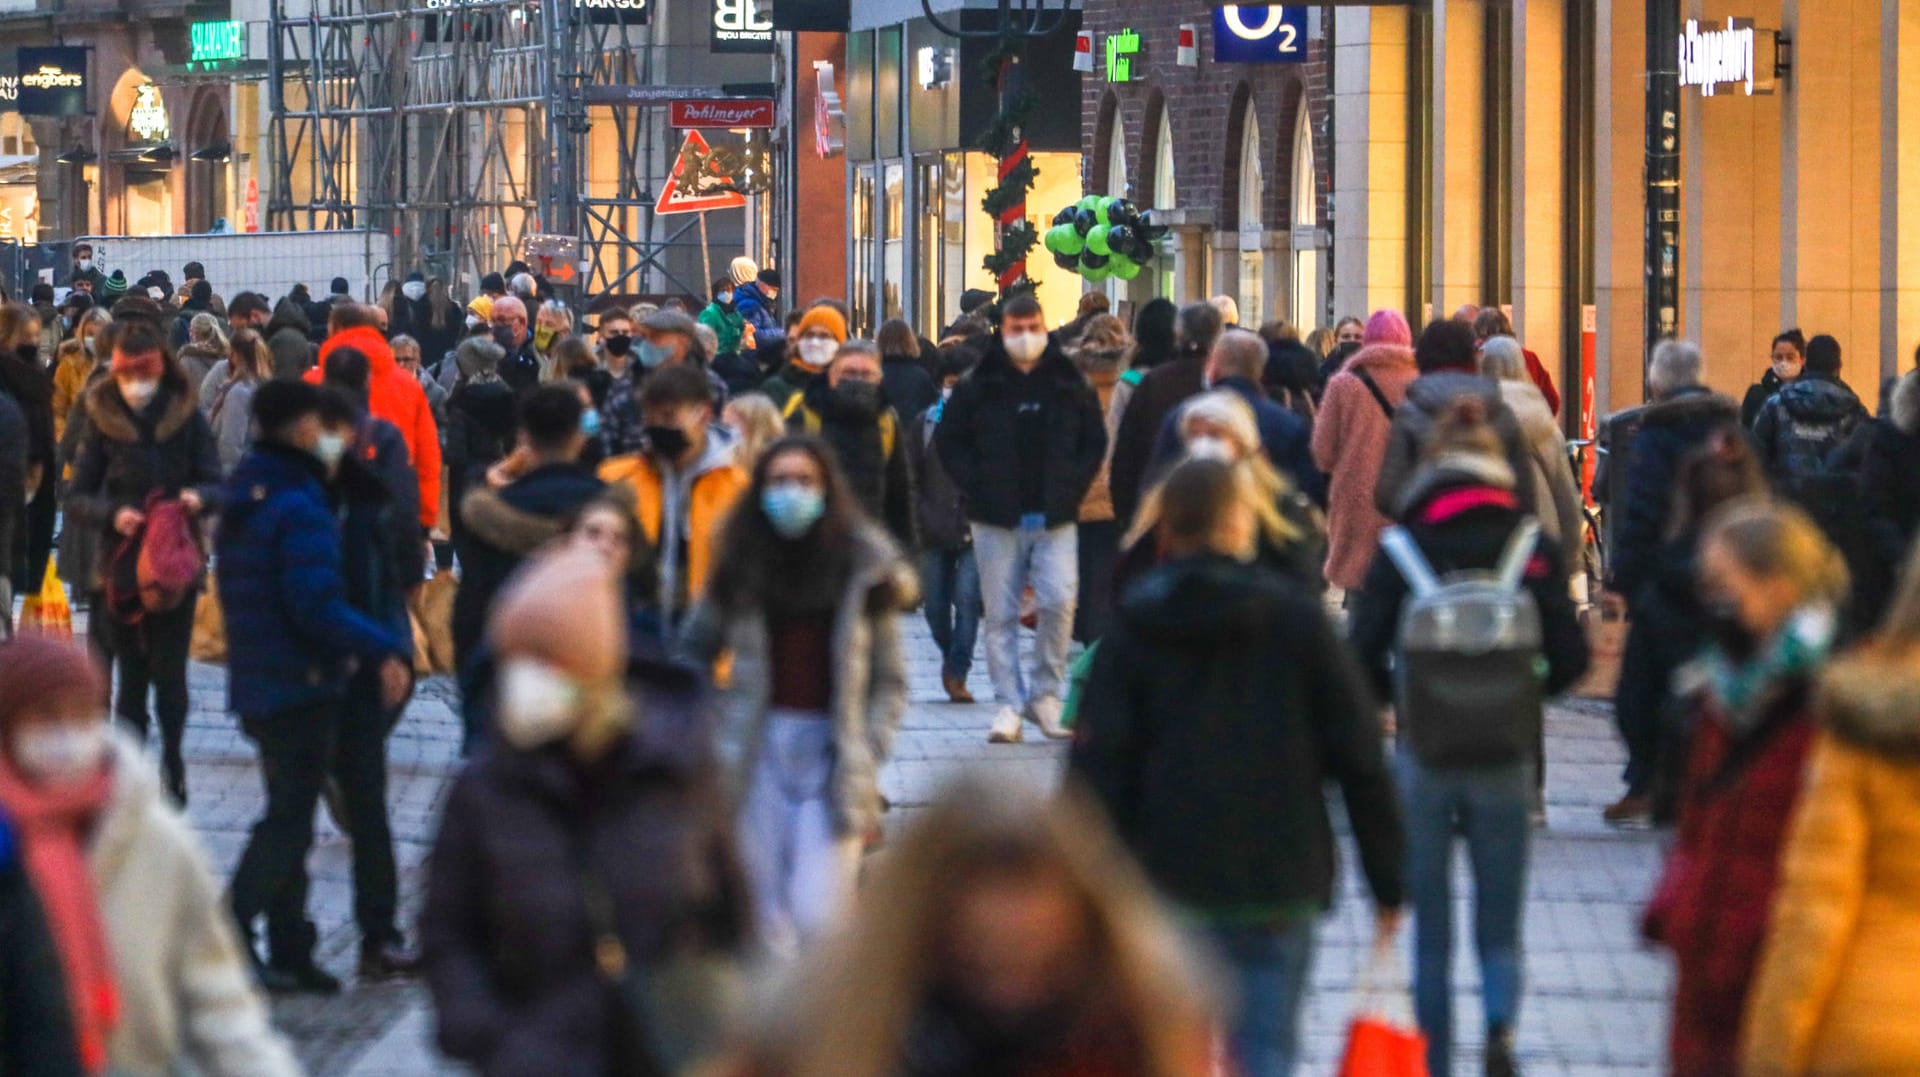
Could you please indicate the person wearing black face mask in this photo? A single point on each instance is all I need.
(613, 339)
(845, 408)
(30, 384)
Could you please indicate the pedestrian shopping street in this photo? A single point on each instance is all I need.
(1596, 999)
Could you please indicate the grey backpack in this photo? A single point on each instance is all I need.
(1467, 664)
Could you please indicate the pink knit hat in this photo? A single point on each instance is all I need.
(1387, 327)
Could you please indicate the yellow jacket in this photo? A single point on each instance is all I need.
(716, 484)
(69, 381)
(1838, 990)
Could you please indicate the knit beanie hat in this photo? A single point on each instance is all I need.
(115, 286)
(37, 669)
(743, 269)
(564, 609)
(823, 317)
(1388, 327)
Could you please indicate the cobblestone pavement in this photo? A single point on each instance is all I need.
(1596, 1002)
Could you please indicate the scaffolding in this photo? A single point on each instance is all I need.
(460, 128)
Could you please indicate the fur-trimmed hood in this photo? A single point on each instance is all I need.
(504, 527)
(1872, 698)
(107, 410)
(1689, 405)
(1905, 406)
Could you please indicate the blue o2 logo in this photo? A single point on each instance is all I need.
(1260, 34)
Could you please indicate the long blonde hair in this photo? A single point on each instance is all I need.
(1776, 540)
(1261, 487)
(849, 1012)
(760, 426)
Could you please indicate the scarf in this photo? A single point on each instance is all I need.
(52, 822)
(1745, 688)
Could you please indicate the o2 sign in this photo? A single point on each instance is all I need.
(1260, 34)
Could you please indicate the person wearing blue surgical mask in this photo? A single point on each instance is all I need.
(806, 595)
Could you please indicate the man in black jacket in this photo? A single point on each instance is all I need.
(846, 409)
(1023, 437)
(1683, 413)
(503, 526)
(1217, 708)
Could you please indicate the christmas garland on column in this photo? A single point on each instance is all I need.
(1006, 201)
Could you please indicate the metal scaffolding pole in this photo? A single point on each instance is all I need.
(462, 130)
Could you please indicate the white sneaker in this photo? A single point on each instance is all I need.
(1046, 714)
(1006, 727)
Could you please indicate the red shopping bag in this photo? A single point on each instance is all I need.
(1383, 1040)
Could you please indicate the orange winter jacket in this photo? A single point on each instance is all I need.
(396, 396)
(717, 485)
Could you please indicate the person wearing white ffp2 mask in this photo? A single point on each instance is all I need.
(1023, 438)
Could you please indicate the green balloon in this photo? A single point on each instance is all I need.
(1124, 268)
(1071, 241)
(1089, 203)
(1054, 238)
(1097, 240)
(1100, 212)
(1095, 274)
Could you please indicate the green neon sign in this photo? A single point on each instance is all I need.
(217, 42)
(1121, 49)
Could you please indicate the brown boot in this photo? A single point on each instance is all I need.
(956, 688)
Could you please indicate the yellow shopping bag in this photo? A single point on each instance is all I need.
(209, 626)
(48, 612)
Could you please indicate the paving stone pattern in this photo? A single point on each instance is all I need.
(1596, 1001)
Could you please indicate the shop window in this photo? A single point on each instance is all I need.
(953, 235)
(865, 250)
(1307, 282)
(928, 251)
(893, 239)
(1252, 178)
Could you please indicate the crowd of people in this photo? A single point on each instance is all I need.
(1231, 566)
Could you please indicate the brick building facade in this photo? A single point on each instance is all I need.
(1271, 247)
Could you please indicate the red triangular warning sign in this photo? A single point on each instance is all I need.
(683, 191)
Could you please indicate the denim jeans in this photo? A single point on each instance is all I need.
(1490, 807)
(1010, 561)
(951, 581)
(801, 868)
(1270, 968)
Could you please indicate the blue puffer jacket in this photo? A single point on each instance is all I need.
(290, 629)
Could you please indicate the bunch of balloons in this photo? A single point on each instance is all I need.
(1102, 236)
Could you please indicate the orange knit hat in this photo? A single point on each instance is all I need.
(823, 317)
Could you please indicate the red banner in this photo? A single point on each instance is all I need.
(721, 113)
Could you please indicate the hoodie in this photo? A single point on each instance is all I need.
(1217, 707)
(396, 396)
(681, 511)
(287, 338)
(1427, 399)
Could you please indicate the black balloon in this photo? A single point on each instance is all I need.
(1121, 210)
(1067, 262)
(1065, 216)
(1092, 260)
(1084, 221)
(1120, 237)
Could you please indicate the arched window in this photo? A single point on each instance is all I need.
(1116, 288)
(1252, 227)
(1163, 189)
(1307, 271)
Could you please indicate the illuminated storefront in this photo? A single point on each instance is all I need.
(1217, 119)
(914, 100)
